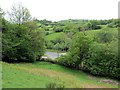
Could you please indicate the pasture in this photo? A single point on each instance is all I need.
(41, 74)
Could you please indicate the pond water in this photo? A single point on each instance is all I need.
(53, 55)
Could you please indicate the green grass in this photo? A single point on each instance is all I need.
(54, 35)
(103, 26)
(40, 74)
(90, 33)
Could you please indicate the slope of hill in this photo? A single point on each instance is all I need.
(42, 74)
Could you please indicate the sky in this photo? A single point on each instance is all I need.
(57, 10)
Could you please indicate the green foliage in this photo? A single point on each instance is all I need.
(78, 51)
(91, 26)
(113, 23)
(49, 44)
(22, 40)
(98, 58)
(61, 43)
(104, 36)
(54, 85)
(103, 61)
(21, 43)
(58, 29)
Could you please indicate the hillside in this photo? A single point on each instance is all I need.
(42, 74)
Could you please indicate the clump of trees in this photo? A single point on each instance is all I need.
(22, 40)
(60, 43)
(98, 55)
(77, 52)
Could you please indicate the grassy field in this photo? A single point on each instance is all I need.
(90, 33)
(41, 74)
(54, 35)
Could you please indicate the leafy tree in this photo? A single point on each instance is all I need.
(21, 44)
(58, 29)
(22, 40)
(78, 51)
(104, 36)
(103, 60)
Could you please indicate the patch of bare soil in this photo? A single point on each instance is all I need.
(109, 81)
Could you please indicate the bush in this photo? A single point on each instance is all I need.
(47, 33)
(58, 29)
(54, 85)
(103, 61)
(49, 44)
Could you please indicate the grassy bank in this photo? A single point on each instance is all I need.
(41, 74)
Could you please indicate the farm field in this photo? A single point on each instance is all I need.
(90, 33)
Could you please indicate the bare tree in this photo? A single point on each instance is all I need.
(1, 18)
(19, 14)
(1, 12)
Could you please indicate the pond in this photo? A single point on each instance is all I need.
(53, 55)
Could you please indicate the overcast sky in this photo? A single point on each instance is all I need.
(56, 10)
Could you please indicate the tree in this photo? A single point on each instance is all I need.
(19, 14)
(57, 47)
(1, 17)
(104, 36)
(22, 40)
(78, 51)
(103, 60)
(1, 13)
(21, 43)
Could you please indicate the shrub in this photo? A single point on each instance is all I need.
(58, 29)
(47, 33)
(49, 44)
(103, 61)
(54, 85)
